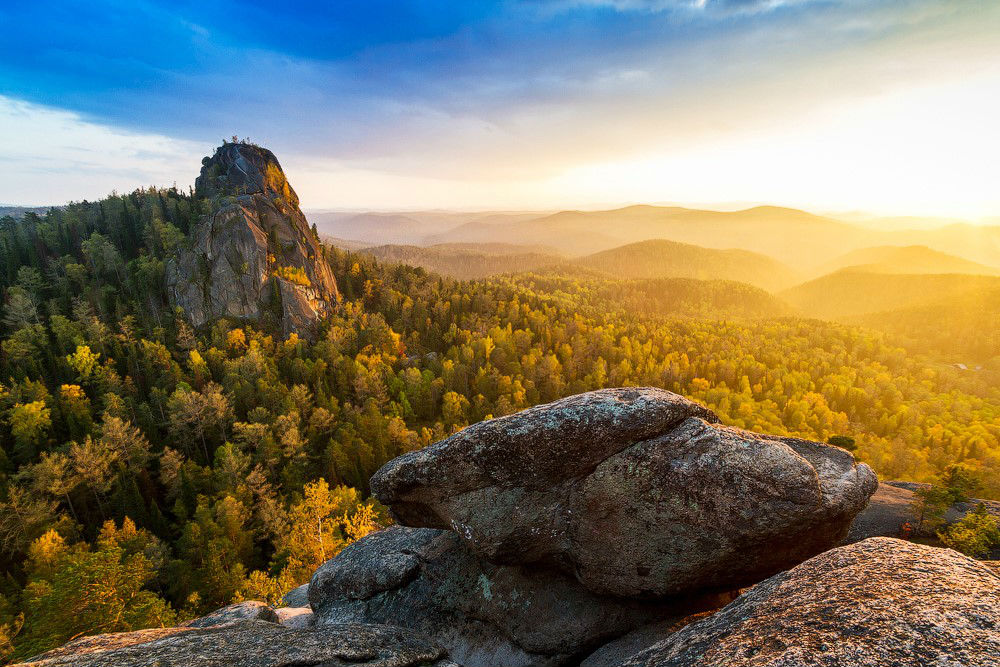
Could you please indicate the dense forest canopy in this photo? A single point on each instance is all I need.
(150, 472)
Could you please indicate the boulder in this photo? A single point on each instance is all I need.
(485, 615)
(618, 650)
(881, 602)
(296, 617)
(241, 611)
(249, 644)
(254, 256)
(297, 597)
(634, 491)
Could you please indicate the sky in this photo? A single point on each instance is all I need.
(883, 106)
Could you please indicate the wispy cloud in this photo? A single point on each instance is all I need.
(492, 93)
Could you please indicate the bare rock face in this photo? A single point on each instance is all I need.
(881, 602)
(249, 644)
(255, 256)
(241, 611)
(634, 491)
(484, 615)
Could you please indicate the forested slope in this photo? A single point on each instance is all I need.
(173, 470)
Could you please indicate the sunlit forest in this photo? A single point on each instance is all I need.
(150, 473)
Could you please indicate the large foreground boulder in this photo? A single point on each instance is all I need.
(249, 644)
(878, 603)
(484, 615)
(635, 491)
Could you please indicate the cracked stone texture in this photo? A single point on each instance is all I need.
(228, 268)
(634, 491)
(250, 643)
(484, 615)
(881, 602)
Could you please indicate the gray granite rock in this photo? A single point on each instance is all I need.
(634, 491)
(881, 602)
(484, 615)
(239, 259)
(249, 644)
(241, 611)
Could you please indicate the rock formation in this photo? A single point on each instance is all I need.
(483, 614)
(249, 644)
(881, 602)
(241, 611)
(603, 530)
(254, 257)
(636, 492)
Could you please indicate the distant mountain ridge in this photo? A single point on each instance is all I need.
(908, 259)
(805, 241)
(669, 259)
(852, 293)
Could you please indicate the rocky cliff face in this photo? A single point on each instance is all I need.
(254, 257)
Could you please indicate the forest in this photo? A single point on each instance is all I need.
(150, 472)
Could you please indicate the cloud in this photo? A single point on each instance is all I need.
(51, 156)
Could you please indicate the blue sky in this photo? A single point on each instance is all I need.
(519, 104)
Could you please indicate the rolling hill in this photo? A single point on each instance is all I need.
(468, 261)
(670, 259)
(793, 236)
(411, 227)
(908, 259)
(963, 329)
(672, 298)
(850, 293)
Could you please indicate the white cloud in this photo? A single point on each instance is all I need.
(51, 156)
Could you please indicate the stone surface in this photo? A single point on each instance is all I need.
(297, 597)
(240, 257)
(296, 617)
(892, 505)
(881, 602)
(634, 491)
(484, 615)
(241, 611)
(618, 650)
(250, 644)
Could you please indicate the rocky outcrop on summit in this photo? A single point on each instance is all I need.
(634, 491)
(881, 602)
(485, 615)
(254, 257)
(249, 644)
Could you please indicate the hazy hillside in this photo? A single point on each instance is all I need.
(979, 243)
(18, 211)
(908, 259)
(667, 297)
(853, 292)
(796, 237)
(670, 259)
(810, 243)
(344, 244)
(411, 227)
(467, 261)
(964, 329)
